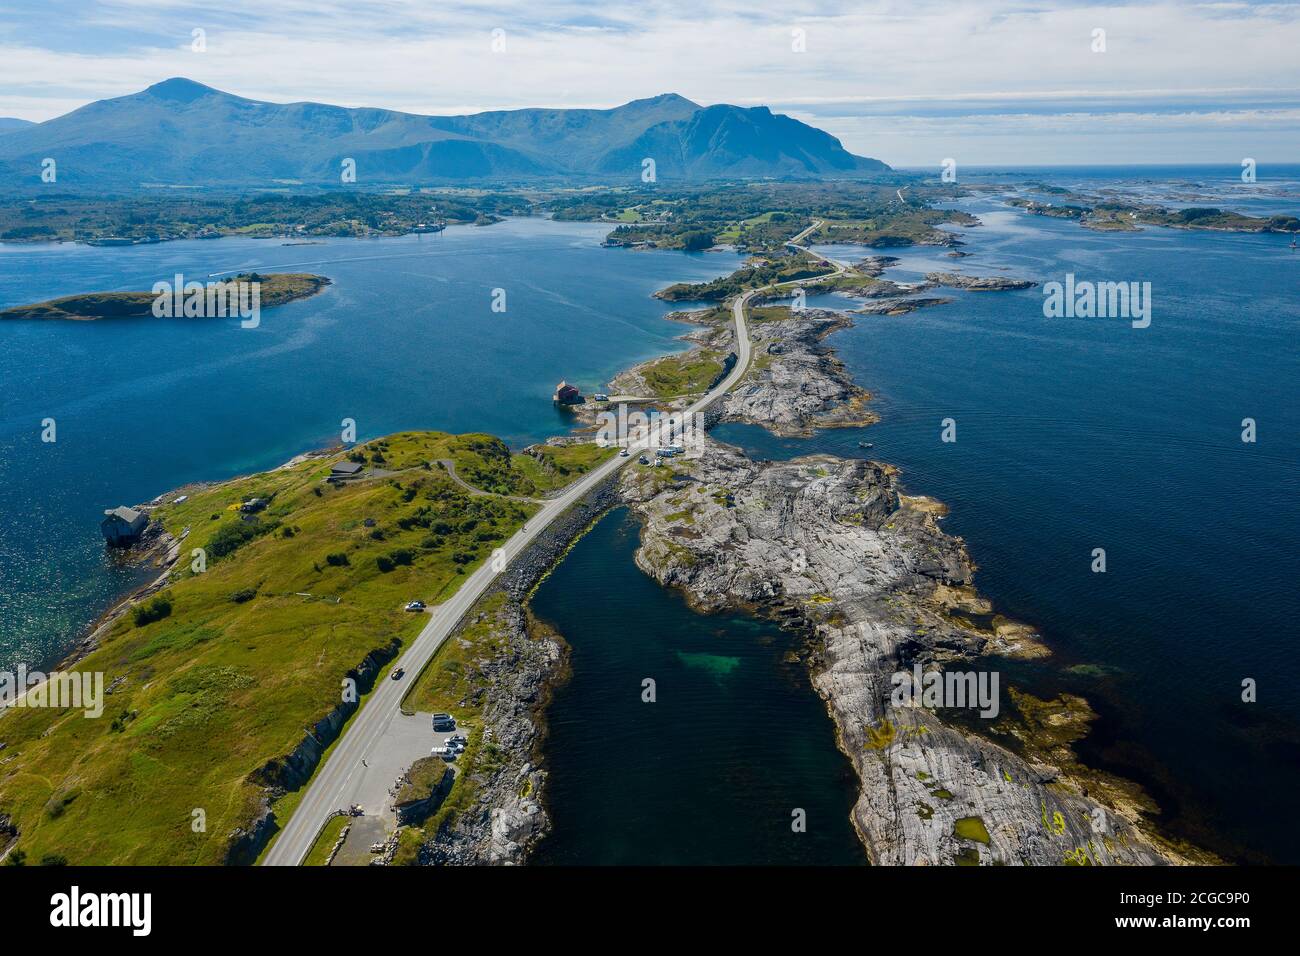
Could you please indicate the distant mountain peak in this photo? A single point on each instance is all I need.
(180, 89)
(217, 138)
(664, 99)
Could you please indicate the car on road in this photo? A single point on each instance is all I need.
(624, 453)
(415, 606)
(399, 673)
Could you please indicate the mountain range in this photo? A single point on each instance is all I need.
(180, 132)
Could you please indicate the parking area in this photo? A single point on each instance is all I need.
(372, 784)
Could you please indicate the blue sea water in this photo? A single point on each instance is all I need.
(716, 767)
(404, 338)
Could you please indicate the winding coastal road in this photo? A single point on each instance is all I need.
(372, 723)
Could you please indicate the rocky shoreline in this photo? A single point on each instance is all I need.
(158, 546)
(834, 549)
(155, 546)
(508, 816)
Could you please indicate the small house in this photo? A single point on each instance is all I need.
(123, 526)
(566, 394)
(340, 471)
(253, 505)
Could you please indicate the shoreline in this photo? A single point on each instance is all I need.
(88, 636)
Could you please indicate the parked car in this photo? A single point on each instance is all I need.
(439, 718)
(415, 606)
(399, 673)
(644, 460)
(444, 726)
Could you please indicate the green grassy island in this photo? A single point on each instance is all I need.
(274, 289)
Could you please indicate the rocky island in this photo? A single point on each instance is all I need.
(954, 280)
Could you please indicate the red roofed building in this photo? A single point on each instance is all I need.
(566, 394)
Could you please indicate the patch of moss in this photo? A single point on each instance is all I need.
(971, 828)
(880, 738)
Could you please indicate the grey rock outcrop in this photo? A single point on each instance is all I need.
(954, 280)
(796, 383)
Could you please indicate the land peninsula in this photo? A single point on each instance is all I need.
(223, 676)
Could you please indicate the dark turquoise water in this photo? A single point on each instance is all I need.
(1074, 434)
(709, 773)
(405, 338)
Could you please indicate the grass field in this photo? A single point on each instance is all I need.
(325, 841)
(252, 650)
(683, 374)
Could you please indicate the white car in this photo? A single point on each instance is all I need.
(624, 453)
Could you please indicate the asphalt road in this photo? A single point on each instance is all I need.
(327, 789)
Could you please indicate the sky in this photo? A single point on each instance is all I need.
(993, 82)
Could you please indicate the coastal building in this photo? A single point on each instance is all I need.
(123, 526)
(253, 505)
(343, 470)
(566, 394)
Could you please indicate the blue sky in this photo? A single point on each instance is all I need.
(989, 82)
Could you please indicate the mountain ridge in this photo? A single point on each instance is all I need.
(182, 132)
